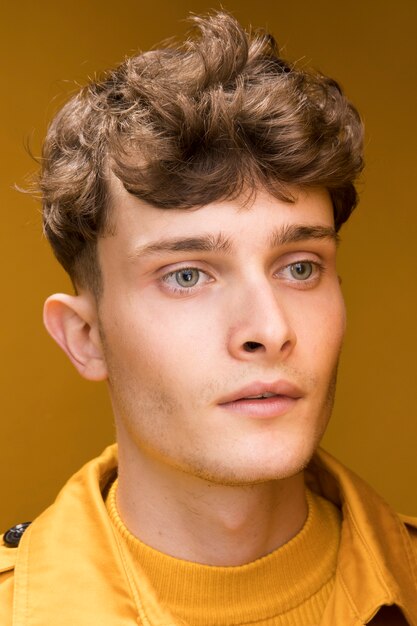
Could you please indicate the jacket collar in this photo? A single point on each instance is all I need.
(68, 569)
(74, 573)
(377, 565)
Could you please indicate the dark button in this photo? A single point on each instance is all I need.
(13, 536)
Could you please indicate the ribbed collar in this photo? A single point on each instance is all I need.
(296, 577)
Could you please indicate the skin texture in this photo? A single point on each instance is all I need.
(174, 353)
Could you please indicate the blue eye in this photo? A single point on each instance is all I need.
(301, 270)
(185, 280)
(187, 277)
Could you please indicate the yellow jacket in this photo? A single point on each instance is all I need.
(68, 569)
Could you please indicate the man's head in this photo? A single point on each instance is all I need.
(182, 127)
(195, 196)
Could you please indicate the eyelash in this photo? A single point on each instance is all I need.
(317, 271)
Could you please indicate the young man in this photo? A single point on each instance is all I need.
(194, 196)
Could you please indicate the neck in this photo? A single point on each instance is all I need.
(196, 520)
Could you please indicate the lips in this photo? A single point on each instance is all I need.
(262, 400)
(259, 391)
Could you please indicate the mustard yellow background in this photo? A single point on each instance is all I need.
(51, 420)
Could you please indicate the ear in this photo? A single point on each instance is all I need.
(73, 322)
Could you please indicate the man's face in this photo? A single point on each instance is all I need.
(204, 309)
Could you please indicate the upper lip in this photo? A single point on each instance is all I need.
(279, 388)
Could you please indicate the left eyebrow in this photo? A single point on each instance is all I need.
(293, 233)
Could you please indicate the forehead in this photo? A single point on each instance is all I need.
(136, 223)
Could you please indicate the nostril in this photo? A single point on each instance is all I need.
(251, 346)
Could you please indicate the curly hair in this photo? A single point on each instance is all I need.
(184, 126)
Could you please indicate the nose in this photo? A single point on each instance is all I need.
(261, 327)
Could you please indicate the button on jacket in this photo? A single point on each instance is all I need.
(68, 569)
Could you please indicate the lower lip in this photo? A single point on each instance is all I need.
(261, 409)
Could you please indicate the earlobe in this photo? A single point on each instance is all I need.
(73, 323)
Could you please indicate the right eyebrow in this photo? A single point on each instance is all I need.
(201, 243)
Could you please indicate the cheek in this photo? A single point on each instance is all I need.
(337, 319)
(154, 347)
(182, 337)
(334, 329)
(321, 329)
(142, 378)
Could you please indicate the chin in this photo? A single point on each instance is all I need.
(254, 469)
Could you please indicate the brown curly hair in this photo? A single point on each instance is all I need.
(188, 125)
